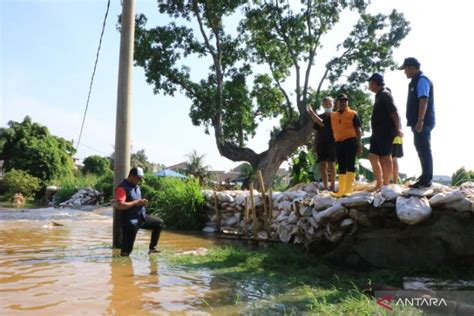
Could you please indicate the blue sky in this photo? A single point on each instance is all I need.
(48, 50)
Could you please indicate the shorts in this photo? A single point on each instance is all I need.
(397, 150)
(326, 152)
(381, 145)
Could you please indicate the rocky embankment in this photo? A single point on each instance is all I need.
(393, 227)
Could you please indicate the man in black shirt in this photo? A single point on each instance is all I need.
(385, 124)
(325, 146)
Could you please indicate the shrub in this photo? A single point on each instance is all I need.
(70, 185)
(19, 181)
(462, 175)
(105, 185)
(178, 202)
(96, 165)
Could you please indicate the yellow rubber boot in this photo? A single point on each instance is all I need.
(350, 176)
(342, 186)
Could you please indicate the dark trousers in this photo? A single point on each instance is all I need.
(129, 233)
(423, 147)
(346, 154)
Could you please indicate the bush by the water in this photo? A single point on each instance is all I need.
(70, 185)
(19, 181)
(105, 185)
(178, 202)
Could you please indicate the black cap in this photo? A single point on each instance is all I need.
(409, 61)
(342, 96)
(377, 78)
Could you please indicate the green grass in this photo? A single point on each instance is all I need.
(292, 282)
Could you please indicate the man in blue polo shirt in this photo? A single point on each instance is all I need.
(420, 117)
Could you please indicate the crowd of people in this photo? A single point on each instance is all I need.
(337, 139)
(338, 133)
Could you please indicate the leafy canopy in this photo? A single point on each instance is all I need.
(30, 147)
(96, 165)
(19, 181)
(263, 70)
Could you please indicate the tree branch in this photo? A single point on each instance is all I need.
(288, 102)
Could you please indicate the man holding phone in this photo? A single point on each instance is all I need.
(133, 214)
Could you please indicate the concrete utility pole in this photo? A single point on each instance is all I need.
(124, 105)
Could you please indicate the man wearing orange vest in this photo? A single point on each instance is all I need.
(345, 125)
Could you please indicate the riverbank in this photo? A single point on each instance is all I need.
(295, 282)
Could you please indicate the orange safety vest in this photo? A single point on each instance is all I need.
(342, 124)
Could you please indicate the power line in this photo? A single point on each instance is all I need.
(96, 150)
(93, 74)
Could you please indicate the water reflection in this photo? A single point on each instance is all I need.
(128, 288)
(58, 270)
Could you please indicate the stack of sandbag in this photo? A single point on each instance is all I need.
(460, 199)
(303, 214)
(85, 196)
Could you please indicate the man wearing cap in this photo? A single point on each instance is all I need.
(133, 215)
(385, 125)
(420, 117)
(345, 125)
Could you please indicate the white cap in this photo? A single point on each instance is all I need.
(137, 171)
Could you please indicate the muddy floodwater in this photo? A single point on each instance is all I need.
(62, 270)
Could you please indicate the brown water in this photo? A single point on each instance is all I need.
(58, 270)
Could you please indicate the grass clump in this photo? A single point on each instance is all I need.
(285, 280)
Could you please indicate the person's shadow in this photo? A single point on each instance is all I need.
(129, 286)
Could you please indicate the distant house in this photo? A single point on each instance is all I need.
(233, 175)
(180, 167)
(446, 180)
(77, 163)
(1, 168)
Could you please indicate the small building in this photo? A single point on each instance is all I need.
(446, 180)
(180, 167)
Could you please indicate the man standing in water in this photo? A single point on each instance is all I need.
(133, 214)
(420, 117)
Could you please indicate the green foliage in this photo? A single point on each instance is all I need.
(30, 147)
(70, 185)
(303, 167)
(195, 166)
(286, 40)
(139, 159)
(105, 185)
(248, 172)
(462, 175)
(19, 181)
(96, 165)
(178, 202)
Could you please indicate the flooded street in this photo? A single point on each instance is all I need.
(56, 270)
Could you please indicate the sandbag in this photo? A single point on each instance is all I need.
(412, 210)
(357, 199)
(323, 202)
(446, 197)
(334, 213)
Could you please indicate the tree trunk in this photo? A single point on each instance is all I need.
(286, 142)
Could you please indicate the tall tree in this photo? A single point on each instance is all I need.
(29, 146)
(96, 165)
(140, 159)
(284, 39)
(196, 166)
